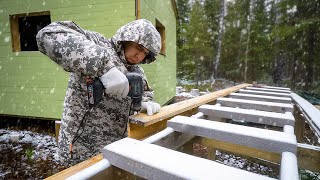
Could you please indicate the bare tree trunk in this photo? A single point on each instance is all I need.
(309, 73)
(248, 39)
(219, 41)
(294, 72)
(278, 61)
(278, 69)
(196, 78)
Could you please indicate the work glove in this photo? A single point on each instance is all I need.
(115, 82)
(150, 107)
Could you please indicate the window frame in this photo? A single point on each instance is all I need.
(162, 31)
(14, 27)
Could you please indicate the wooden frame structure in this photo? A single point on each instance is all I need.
(279, 147)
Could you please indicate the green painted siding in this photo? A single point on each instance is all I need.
(162, 74)
(33, 85)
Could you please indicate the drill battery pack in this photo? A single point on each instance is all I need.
(95, 90)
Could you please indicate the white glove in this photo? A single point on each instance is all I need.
(150, 107)
(115, 82)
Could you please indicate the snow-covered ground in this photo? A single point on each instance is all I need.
(27, 155)
(44, 145)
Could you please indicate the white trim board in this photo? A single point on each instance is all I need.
(274, 87)
(155, 162)
(264, 93)
(248, 115)
(267, 140)
(258, 105)
(268, 90)
(260, 98)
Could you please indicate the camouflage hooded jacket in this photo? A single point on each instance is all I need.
(85, 53)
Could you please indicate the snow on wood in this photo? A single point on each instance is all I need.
(258, 105)
(155, 162)
(311, 112)
(260, 97)
(273, 87)
(91, 171)
(268, 90)
(267, 140)
(288, 129)
(289, 166)
(159, 135)
(248, 115)
(265, 93)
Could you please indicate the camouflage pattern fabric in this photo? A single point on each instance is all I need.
(85, 53)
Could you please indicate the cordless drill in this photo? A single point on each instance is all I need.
(96, 90)
(95, 94)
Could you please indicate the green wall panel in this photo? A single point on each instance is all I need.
(162, 74)
(33, 85)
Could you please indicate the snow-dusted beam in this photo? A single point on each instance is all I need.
(289, 166)
(264, 93)
(167, 138)
(273, 87)
(91, 171)
(311, 113)
(155, 162)
(268, 90)
(248, 115)
(257, 105)
(260, 98)
(267, 140)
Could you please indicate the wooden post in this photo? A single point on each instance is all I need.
(57, 129)
(299, 125)
(187, 147)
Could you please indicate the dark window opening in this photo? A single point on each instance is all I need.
(161, 29)
(24, 28)
(28, 29)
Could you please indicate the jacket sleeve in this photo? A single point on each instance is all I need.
(74, 49)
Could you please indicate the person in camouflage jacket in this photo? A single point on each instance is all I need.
(86, 54)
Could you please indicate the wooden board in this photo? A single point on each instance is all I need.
(183, 106)
(309, 157)
(273, 87)
(76, 168)
(258, 105)
(260, 98)
(311, 113)
(267, 140)
(248, 115)
(155, 162)
(240, 149)
(264, 93)
(268, 90)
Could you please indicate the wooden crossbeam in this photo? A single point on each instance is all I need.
(264, 93)
(260, 98)
(289, 166)
(311, 113)
(258, 105)
(268, 90)
(268, 140)
(155, 162)
(172, 110)
(248, 115)
(273, 87)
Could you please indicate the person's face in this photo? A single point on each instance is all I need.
(134, 53)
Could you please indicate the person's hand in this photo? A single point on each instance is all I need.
(150, 107)
(115, 82)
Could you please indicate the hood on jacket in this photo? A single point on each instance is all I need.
(142, 32)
